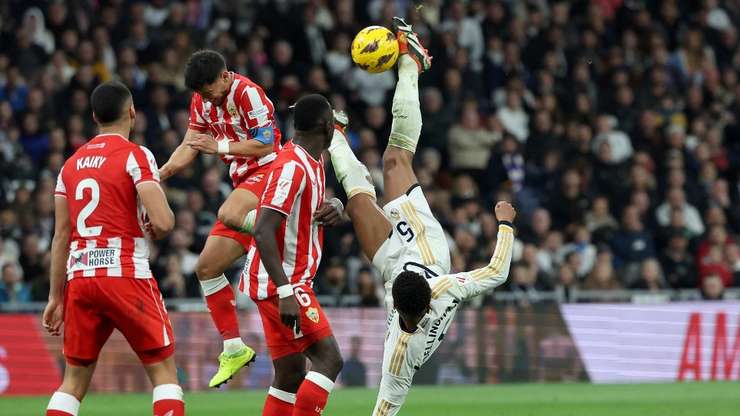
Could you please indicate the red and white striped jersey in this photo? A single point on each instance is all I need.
(295, 188)
(245, 114)
(99, 182)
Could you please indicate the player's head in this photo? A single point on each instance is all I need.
(206, 74)
(411, 295)
(112, 103)
(314, 118)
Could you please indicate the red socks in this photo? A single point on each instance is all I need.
(278, 403)
(222, 306)
(62, 404)
(312, 395)
(168, 401)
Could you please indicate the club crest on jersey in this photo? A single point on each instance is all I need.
(231, 108)
(313, 314)
(395, 214)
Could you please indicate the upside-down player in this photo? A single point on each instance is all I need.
(282, 262)
(100, 235)
(406, 243)
(230, 116)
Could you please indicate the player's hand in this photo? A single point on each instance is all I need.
(330, 213)
(290, 313)
(204, 143)
(504, 211)
(53, 317)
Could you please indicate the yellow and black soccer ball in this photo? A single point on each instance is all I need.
(375, 49)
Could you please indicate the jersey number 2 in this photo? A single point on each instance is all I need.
(94, 188)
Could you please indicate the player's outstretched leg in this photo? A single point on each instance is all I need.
(371, 225)
(398, 174)
(217, 255)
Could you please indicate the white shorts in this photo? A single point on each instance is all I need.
(417, 242)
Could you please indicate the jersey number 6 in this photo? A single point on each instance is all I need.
(303, 298)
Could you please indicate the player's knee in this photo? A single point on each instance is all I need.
(205, 270)
(333, 363)
(338, 365)
(289, 380)
(230, 216)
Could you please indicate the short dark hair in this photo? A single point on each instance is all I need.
(203, 68)
(311, 112)
(108, 101)
(411, 293)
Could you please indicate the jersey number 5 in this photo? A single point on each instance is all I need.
(94, 188)
(405, 230)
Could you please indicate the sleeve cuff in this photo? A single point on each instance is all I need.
(198, 128)
(274, 208)
(152, 180)
(507, 224)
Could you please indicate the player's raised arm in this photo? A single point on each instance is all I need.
(53, 313)
(261, 144)
(473, 283)
(181, 158)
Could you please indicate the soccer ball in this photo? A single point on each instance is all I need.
(375, 49)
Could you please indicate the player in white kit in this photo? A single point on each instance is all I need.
(404, 240)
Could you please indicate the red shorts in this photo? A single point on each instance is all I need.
(280, 339)
(94, 306)
(255, 184)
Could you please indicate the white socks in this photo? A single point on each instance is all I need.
(167, 392)
(233, 345)
(282, 395)
(64, 402)
(320, 380)
(352, 174)
(406, 127)
(212, 286)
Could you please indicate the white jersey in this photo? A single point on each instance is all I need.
(404, 352)
(417, 242)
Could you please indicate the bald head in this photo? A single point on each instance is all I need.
(312, 112)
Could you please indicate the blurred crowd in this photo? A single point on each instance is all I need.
(612, 124)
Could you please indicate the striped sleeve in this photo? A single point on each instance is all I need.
(60, 189)
(391, 395)
(253, 106)
(256, 110)
(197, 122)
(470, 284)
(141, 166)
(284, 186)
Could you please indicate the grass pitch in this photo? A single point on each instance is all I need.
(706, 399)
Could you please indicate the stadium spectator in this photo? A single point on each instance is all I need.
(12, 287)
(354, 372)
